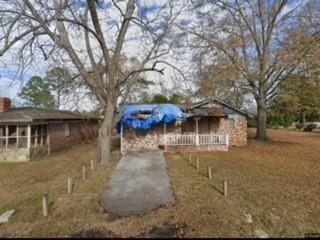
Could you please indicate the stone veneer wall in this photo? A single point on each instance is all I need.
(137, 140)
(237, 134)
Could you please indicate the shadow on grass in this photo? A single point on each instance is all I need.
(206, 176)
(216, 188)
(273, 142)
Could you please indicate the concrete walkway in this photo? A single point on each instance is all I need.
(139, 185)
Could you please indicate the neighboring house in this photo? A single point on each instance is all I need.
(209, 125)
(26, 132)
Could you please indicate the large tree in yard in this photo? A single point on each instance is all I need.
(262, 42)
(97, 38)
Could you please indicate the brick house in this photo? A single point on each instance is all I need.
(210, 125)
(26, 132)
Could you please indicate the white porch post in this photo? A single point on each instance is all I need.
(121, 142)
(48, 139)
(7, 137)
(165, 136)
(29, 137)
(227, 139)
(17, 139)
(197, 130)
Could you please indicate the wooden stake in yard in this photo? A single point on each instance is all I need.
(84, 173)
(209, 172)
(69, 185)
(197, 163)
(225, 188)
(189, 157)
(92, 165)
(45, 204)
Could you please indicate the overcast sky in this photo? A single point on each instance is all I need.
(11, 81)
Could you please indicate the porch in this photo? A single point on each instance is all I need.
(21, 142)
(196, 142)
(196, 139)
(201, 135)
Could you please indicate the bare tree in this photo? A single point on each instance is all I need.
(261, 41)
(220, 80)
(94, 41)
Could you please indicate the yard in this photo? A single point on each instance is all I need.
(277, 183)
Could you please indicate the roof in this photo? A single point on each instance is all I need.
(199, 108)
(30, 114)
(219, 109)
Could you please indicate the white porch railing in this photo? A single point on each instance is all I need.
(193, 139)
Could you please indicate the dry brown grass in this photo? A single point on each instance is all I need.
(277, 182)
(22, 186)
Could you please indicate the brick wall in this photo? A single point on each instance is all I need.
(78, 132)
(5, 104)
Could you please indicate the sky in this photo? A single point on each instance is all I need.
(11, 82)
(136, 45)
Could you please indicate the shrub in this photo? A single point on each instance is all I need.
(299, 126)
(252, 123)
(276, 119)
(309, 127)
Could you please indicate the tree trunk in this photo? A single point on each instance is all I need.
(302, 117)
(105, 134)
(262, 121)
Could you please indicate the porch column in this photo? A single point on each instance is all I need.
(165, 136)
(48, 139)
(7, 136)
(29, 137)
(36, 136)
(17, 140)
(197, 130)
(121, 136)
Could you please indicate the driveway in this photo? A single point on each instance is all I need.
(139, 185)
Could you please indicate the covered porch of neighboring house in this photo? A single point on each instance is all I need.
(21, 142)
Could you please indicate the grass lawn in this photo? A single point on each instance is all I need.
(23, 184)
(277, 182)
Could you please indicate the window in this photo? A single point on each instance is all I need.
(22, 140)
(2, 137)
(38, 135)
(66, 130)
(13, 136)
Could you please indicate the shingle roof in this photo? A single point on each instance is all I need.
(225, 108)
(200, 109)
(30, 114)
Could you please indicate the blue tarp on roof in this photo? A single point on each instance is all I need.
(159, 113)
